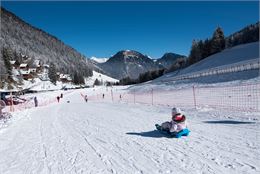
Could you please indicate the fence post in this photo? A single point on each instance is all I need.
(152, 96)
(12, 103)
(194, 97)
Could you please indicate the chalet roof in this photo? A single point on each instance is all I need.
(65, 76)
(36, 62)
(23, 65)
(12, 62)
(46, 66)
(25, 72)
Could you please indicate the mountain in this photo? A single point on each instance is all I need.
(168, 59)
(128, 63)
(22, 38)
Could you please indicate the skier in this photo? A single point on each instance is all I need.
(61, 95)
(178, 122)
(58, 99)
(103, 95)
(35, 101)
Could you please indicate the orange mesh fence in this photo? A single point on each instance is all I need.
(244, 97)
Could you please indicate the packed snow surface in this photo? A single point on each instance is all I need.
(101, 77)
(105, 137)
(99, 60)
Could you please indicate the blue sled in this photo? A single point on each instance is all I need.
(184, 132)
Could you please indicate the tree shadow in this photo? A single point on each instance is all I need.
(229, 122)
(151, 134)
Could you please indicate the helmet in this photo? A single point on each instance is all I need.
(176, 111)
(178, 118)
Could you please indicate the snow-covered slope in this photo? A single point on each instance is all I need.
(228, 56)
(104, 137)
(101, 77)
(224, 59)
(99, 60)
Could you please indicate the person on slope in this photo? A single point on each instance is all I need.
(58, 99)
(178, 122)
(35, 101)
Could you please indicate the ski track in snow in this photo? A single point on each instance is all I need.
(99, 137)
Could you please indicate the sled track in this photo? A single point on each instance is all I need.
(80, 137)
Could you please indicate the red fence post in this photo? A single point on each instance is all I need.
(12, 103)
(194, 97)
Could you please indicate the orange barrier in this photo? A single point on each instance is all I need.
(30, 103)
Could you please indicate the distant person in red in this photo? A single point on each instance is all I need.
(58, 99)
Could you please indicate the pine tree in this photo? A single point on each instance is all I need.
(218, 41)
(75, 78)
(206, 49)
(53, 73)
(97, 82)
(200, 51)
(81, 79)
(7, 57)
(127, 81)
(194, 53)
(78, 79)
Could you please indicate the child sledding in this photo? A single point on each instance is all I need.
(177, 127)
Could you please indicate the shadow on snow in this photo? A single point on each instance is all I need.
(229, 122)
(151, 134)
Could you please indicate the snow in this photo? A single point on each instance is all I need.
(111, 135)
(101, 77)
(12, 62)
(106, 137)
(99, 60)
(226, 58)
(23, 65)
(46, 85)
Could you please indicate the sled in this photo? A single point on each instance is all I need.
(184, 132)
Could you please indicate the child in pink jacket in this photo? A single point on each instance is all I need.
(177, 123)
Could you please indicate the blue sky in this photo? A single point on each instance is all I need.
(102, 28)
